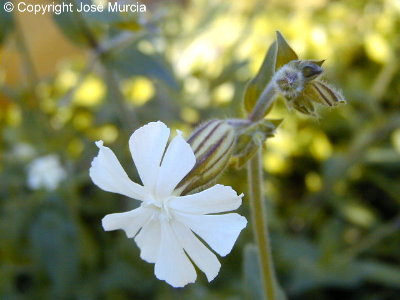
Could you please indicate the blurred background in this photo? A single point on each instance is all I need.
(333, 183)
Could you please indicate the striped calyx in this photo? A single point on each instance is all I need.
(212, 143)
(323, 93)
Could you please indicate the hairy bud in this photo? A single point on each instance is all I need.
(298, 83)
(291, 79)
(212, 144)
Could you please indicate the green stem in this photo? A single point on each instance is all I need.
(265, 101)
(257, 203)
(259, 220)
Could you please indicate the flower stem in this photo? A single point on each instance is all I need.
(259, 220)
(265, 101)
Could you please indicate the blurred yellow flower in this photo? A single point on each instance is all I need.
(313, 181)
(396, 140)
(190, 115)
(377, 48)
(66, 80)
(320, 147)
(108, 133)
(275, 163)
(139, 90)
(91, 92)
(224, 93)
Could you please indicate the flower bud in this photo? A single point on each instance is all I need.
(310, 69)
(298, 82)
(292, 78)
(289, 81)
(212, 144)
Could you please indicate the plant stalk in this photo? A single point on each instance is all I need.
(257, 203)
(265, 101)
(260, 230)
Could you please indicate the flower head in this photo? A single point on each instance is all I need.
(299, 83)
(45, 172)
(165, 224)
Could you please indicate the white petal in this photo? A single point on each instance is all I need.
(200, 254)
(218, 198)
(130, 221)
(178, 160)
(108, 174)
(148, 240)
(147, 145)
(219, 231)
(172, 264)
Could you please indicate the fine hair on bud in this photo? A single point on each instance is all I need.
(291, 79)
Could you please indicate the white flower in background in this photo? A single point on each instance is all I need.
(45, 172)
(23, 152)
(167, 222)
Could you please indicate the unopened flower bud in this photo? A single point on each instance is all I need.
(299, 83)
(291, 79)
(212, 144)
(310, 69)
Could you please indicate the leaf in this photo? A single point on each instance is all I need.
(130, 25)
(7, 24)
(285, 53)
(130, 62)
(253, 289)
(377, 272)
(71, 24)
(253, 286)
(105, 17)
(256, 85)
(53, 245)
(85, 28)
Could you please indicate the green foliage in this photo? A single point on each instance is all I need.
(6, 24)
(259, 82)
(252, 283)
(284, 53)
(333, 182)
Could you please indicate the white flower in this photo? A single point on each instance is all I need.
(45, 172)
(168, 222)
(22, 152)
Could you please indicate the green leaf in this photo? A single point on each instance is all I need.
(256, 85)
(130, 25)
(130, 62)
(253, 289)
(285, 53)
(6, 24)
(85, 28)
(377, 272)
(71, 24)
(54, 248)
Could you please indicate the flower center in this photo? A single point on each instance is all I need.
(161, 206)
